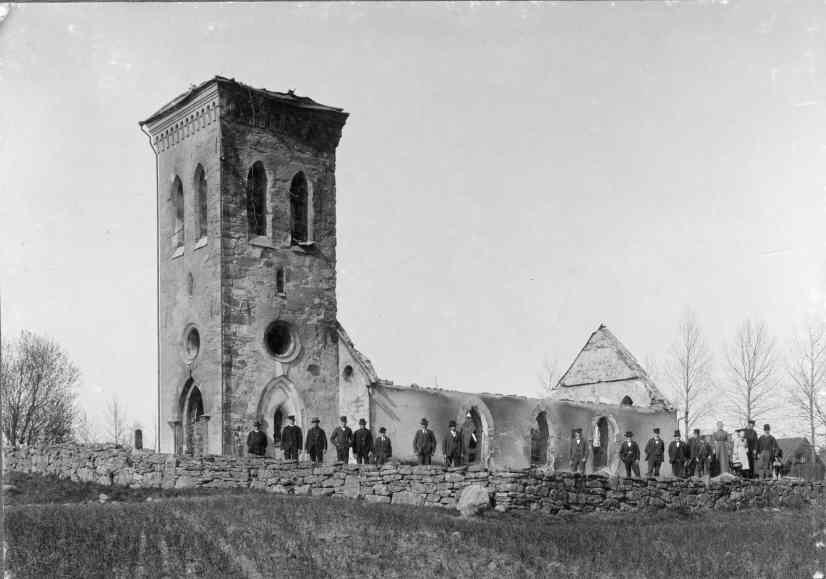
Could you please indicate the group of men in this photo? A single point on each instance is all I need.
(700, 455)
(365, 448)
(458, 447)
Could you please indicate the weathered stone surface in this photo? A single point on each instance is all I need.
(407, 498)
(473, 500)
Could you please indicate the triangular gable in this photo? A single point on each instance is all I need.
(362, 360)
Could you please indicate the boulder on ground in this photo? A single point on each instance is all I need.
(473, 500)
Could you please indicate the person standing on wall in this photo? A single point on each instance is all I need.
(316, 444)
(751, 445)
(766, 451)
(705, 456)
(291, 439)
(693, 447)
(362, 443)
(579, 452)
(470, 439)
(382, 449)
(654, 454)
(424, 443)
(342, 439)
(256, 441)
(452, 446)
(630, 455)
(677, 455)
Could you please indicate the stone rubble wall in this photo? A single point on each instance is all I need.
(434, 486)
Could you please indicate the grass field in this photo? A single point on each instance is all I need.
(52, 530)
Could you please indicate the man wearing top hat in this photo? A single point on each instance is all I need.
(751, 445)
(424, 443)
(766, 451)
(579, 452)
(291, 439)
(316, 444)
(362, 443)
(630, 455)
(677, 454)
(256, 441)
(693, 446)
(342, 439)
(382, 448)
(654, 454)
(452, 445)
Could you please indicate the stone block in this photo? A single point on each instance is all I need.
(407, 498)
(473, 500)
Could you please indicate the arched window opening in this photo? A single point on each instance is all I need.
(626, 401)
(299, 209)
(194, 410)
(280, 281)
(539, 440)
(277, 425)
(599, 443)
(201, 200)
(257, 199)
(178, 209)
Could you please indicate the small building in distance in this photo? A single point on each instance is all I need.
(797, 459)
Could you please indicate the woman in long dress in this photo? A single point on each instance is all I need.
(720, 440)
(740, 455)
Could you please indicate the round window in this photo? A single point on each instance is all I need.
(279, 339)
(192, 344)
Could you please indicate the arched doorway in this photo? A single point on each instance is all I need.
(474, 417)
(540, 436)
(279, 400)
(192, 410)
(603, 438)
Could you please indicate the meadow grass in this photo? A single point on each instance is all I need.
(258, 534)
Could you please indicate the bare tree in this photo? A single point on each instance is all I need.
(38, 384)
(85, 430)
(115, 420)
(807, 370)
(688, 372)
(548, 376)
(751, 363)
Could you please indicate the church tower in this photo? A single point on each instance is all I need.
(246, 264)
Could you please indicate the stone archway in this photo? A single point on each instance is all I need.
(192, 438)
(544, 441)
(279, 400)
(480, 420)
(605, 432)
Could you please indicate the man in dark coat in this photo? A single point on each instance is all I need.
(654, 454)
(316, 444)
(470, 439)
(256, 441)
(630, 455)
(766, 451)
(382, 448)
(452, 446)
(362, 443)
(342, 439)
(751, 446)
(677, 453)
(579, 452)
(705, 455)
(694, 445)
(424, 443)
(291, 439)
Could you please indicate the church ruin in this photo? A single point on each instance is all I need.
(247, 323)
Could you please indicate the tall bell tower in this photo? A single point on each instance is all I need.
(246, 264)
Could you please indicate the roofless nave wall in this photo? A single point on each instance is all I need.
(247, 311)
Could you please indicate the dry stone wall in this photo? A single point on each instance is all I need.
(435, 486)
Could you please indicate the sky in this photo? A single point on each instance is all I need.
(510, 176)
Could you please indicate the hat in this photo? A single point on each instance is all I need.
(452, 423)
(362, 421)
(291, 417)
(676, 433)
(315, 420)
(766, 427)
(424, 422)
(752, 422)
(257, 423)
(629, 434)
(343, 418)
(382, 429)
(696, 431)
(656, 431)
(577, 431)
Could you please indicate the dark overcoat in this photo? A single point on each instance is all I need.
(291, 437)
(362, 442)
(316, 440)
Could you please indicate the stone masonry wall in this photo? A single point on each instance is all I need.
(401, 484)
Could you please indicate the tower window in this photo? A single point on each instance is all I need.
(280, 279)
(279, 340)
(299, 209)
(178, 209)
(201, 201)
(626, 401)
(257, 199)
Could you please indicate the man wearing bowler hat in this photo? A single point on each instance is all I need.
(630, 455)
(424, 443)
(766, 451)
(316, 443)
(579, 452)
(694, 445)
(452, 445)
(256, 441)
(677, 455)
(654, 454)
(382, 449)
(362, 443)
(751, 446)
(342, 439)
(291, 439)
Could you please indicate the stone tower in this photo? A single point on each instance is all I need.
(246, 264)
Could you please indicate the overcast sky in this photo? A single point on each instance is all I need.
(509, 178)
